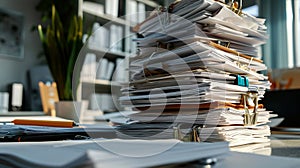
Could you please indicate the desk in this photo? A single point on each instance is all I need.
(282, 145)
(22, 113)
(10, 116)
(285, 145)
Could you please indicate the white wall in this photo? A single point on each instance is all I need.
(15, 70)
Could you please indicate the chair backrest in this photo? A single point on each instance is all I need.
(49, 96)
(35, 75)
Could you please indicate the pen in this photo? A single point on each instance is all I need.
(50, 123)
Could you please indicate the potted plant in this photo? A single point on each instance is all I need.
(62, 45)
(61, 49)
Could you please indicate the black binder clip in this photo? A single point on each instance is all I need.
(241, 80)
(191, 136)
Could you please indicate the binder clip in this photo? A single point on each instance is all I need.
(171, 7)
(191, 136)
(241, 80)
(250, 118)
(224, 43)
(236, 7)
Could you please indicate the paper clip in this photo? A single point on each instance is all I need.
(191, 136)
(250, 118)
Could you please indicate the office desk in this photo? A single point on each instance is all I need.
(8, 119)
(285, 154)
(285, 145)
(22, 113)
(282, 145)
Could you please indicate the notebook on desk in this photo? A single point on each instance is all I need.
(285, 103)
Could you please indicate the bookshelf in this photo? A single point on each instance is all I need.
(109, 14)
(104, 18)
(101, 52)
(98, 86)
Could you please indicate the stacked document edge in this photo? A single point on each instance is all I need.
(198, 67)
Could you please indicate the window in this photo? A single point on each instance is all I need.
(290, 42)
(252, 10)
(296, 33)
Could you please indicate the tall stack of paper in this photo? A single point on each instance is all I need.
(197, 72)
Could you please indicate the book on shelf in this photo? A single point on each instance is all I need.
(99, 38)
(103, 102)
(105, 69)
(102, 67)
(141, 12)
(119, 74)
(133, 11)
(112, 7)
(93, 7)
(110, 70)
(93, 103)
(137, 11)
(89, 67)
(116, 38)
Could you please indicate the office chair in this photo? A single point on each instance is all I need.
(35, 75)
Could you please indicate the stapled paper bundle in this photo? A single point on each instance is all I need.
(197, 75)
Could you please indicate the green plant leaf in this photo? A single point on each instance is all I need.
(61, 47)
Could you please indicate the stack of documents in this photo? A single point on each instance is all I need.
(197, 71)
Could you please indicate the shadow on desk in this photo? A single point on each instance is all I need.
(285, 144)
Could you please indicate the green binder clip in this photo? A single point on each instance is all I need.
(241, 80)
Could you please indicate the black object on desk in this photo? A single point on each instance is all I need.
(285, 103)
(21, 133)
